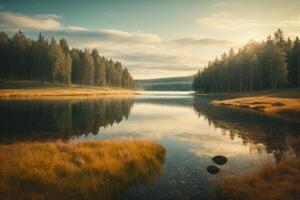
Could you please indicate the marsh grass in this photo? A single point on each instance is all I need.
(288, 107)
(87, 170)
(273, 182)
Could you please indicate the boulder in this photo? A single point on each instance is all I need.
(212, 169)
(220, 160)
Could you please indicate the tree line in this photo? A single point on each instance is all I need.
(270, 64)
(22, 58)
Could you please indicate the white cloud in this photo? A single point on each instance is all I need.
(227, 21)
(39, 22)
(83, 35)
(77, 28)
(223, 22)
(134, 37)
(47, 16)
(196, 41)
(291, 23)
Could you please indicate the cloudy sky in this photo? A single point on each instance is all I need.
(153, 38)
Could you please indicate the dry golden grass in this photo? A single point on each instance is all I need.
(273, 182)
(63, 92)
(270, 105)
(87, 170)
(33, 89)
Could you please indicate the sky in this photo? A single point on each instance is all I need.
(153, 38)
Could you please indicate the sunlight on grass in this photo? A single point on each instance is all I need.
(270, 105)
(34, 89)
(272, 181)
(87, 170)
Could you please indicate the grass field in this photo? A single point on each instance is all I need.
(32, 89)
(272, 181)
(282, 103)
(87, 170)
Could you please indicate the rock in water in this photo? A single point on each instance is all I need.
(212, 169)
(220, 160)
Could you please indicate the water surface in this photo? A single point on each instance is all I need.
(192, 131)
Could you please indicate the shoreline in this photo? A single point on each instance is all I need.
(285, 103)
(65, 93)
(283, 93)
(35, 90)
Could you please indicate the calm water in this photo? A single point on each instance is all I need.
(191, 130)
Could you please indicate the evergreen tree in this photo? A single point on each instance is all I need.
(24, 59)
(102, 72)
(40, 59)
(294, 64)
(4, 55)
(57, 63)
(88, 67)
(256, 66)
(76, 67)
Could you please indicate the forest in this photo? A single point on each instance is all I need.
(22, 58)
(267, 65)
(181, 83)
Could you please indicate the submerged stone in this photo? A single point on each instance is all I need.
(212, 169)
(220, 160)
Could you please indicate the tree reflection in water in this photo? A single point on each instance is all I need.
(59, 119)
(277, 135)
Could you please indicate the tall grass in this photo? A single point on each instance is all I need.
(87, 170)
(272, 182)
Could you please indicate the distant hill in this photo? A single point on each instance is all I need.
(182, 83)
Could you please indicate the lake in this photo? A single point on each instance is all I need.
(191, 130)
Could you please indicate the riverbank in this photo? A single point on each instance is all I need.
(85, 170)
(32, 89)
(284, 103)
(272, 181)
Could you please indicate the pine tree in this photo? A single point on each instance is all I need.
(76, 67)
(57, 63)
(23, 58)
(88, 68)
(4, 55)
(256, 66)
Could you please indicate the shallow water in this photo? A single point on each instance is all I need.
(192, 131)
